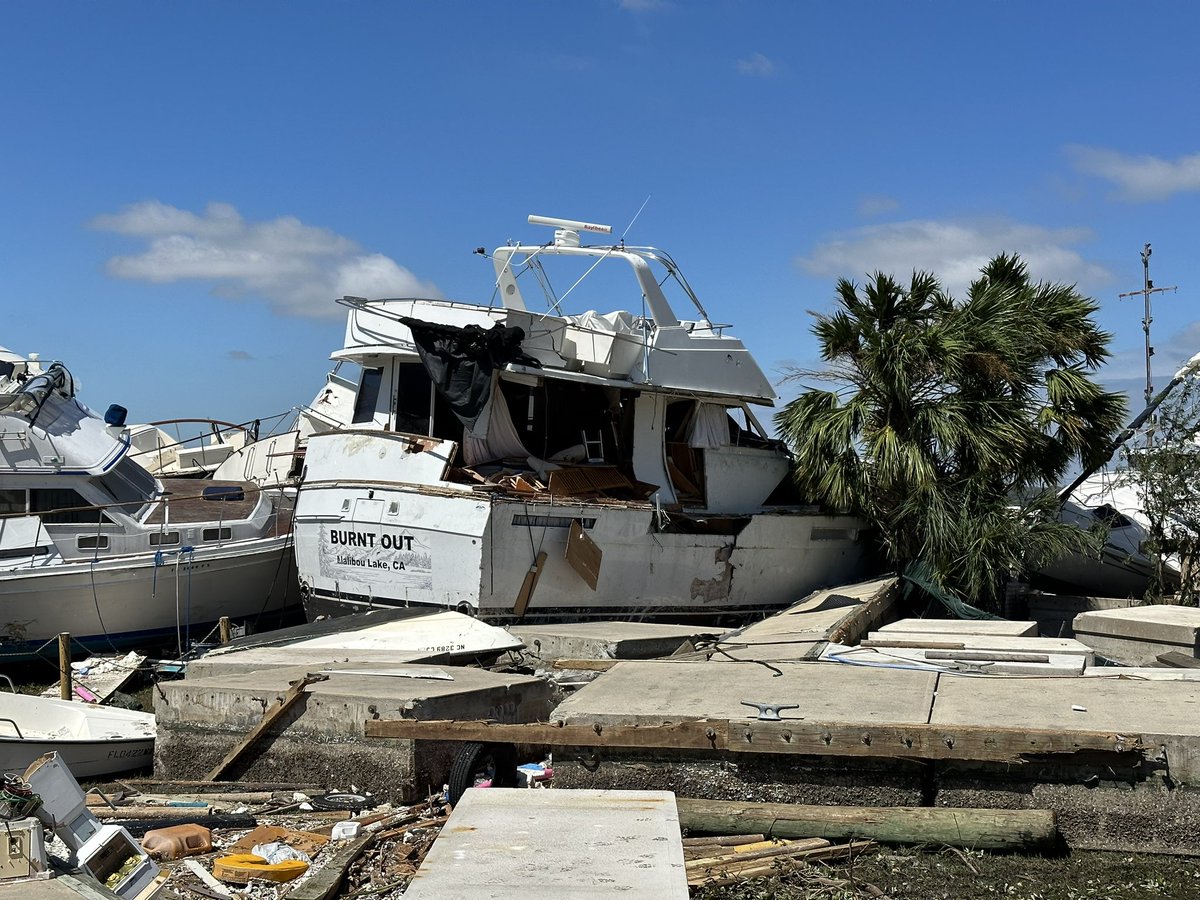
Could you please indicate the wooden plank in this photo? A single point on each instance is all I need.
(798, 736)
(293, 693)
(325, 883)
(584, 555)
(906, 644)
(988, 656)
(529, 585)
(919, 741)
(697, 734)
(986, 829)
(585, 665)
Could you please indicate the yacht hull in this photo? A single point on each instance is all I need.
(127, 601)
(475, 552)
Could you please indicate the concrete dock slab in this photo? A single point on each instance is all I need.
(320, 739)
(605, 640)
(634, 692)
(842, 614)
(1057, 665)
(1055, 613)
(1059, 646)
(1138, 635)
(547, 845)
(1126, 706)
(993, 627)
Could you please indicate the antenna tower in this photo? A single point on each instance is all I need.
(1145, 293)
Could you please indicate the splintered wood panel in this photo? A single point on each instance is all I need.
(587, 480)
(584, 555)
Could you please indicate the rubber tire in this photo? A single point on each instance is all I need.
(476, 756)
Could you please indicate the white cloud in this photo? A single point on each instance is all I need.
(300, 269)
(1141, 177)
(876, 205)
(954, 251)
(756, 65)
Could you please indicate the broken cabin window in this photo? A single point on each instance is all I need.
(367, 396)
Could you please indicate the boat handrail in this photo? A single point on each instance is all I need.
(12, 687)
(14, 725)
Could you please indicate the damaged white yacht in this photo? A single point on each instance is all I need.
(94, 545)
(509, 462)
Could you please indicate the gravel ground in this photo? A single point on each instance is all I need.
(947, 874)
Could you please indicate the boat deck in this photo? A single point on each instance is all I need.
(186, 502)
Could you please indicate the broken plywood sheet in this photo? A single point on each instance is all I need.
(546, 845)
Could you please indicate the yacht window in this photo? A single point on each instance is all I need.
(92, 542)
(12, 502)
(218, 534)
(160, 538)
(368, 396)
(129, 484)
(63, 506)
(414, 396)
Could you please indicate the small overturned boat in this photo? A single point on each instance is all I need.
(92, 740)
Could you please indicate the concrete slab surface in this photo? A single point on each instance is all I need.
(605, 640)
(548, 845)
(1163, 624)
(635, 692)
(1142, 673)
(1055, 613)
(1123, 706)
(993, 627)
(801, 631)
(339, 706)
(1058, 665)
(1063, 646)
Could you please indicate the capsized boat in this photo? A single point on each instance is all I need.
(92, 740)
(509, 462)
(94, 545)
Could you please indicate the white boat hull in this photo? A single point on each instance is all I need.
(91, 740)
(473, 551)
(124, 601)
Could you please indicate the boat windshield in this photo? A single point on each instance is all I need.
(129, 485)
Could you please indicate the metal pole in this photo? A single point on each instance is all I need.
(1146, 321)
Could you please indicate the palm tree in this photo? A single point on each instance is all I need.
(949, 423)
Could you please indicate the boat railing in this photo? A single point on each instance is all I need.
(12, 688)
(14, 725)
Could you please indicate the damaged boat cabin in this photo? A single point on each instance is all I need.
(512, 462)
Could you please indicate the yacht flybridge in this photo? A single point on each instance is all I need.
(513, 462)
(93, 544)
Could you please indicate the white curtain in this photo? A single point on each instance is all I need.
(709, 427)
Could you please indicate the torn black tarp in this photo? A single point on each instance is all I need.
(460, 361)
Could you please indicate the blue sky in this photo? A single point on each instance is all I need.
(186, 187)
